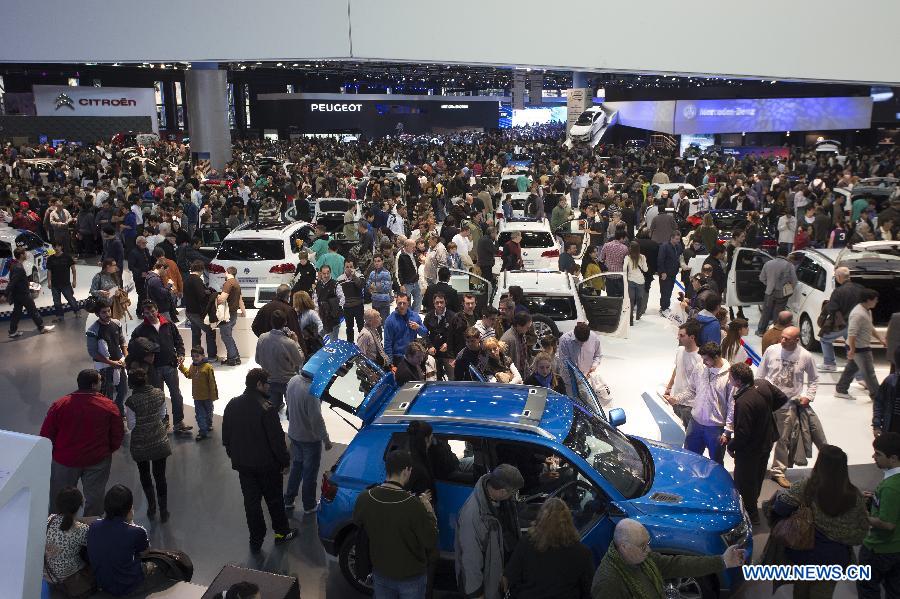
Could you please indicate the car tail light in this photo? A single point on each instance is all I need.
(215, 268)
(282, 269)
(769, 243)
(694, 220)
(550, 254)
(329, 489)
(720, 242)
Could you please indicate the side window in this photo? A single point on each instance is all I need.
(547, 474)
(452, 459)
(301, 234)
(807, 272)
(29, 241)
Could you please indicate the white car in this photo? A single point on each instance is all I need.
(519, 201)
(540, 247)
(330, 213)
(556, 301)
(872, 264)
(589, 125)
(690, 191)
(262, 253)
(37, 252)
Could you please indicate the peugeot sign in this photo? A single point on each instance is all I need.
(323, 107)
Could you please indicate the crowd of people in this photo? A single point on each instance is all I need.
(392, 294)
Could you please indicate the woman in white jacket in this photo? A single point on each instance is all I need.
(635, 269)
(787, 227)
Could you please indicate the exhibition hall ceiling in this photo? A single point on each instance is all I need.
(775, 40)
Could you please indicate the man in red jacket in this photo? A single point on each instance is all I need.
(85, 428)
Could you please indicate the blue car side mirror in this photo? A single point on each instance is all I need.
(617, 417)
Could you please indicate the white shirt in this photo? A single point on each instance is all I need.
(891, 472)
(685, 364)
(463, 244)
(395, 224)
(785, 370)
(138, 214)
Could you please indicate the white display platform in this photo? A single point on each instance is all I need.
(24, 493)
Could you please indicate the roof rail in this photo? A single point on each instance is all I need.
(519, 426)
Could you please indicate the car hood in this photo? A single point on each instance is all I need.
(690, 489)
(579, 129)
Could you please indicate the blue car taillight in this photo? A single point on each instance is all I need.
(329, 489)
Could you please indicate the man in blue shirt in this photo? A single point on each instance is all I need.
(402, 326)
(114, 546)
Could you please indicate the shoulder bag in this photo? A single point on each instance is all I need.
(797, 531)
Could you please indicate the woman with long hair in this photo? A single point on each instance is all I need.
(106, 282)
(542, 374)
(306, 312)
(66, 537)
(590, 266)
(551, 562)
(149, 440)
(497, 365)
(635, 269)
(839, 513)
(708, 232)
(732, 349)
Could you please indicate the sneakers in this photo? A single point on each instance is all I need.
(47, 329)
(201, 437)
(232, 362)
(290, 534)
(312, 510)
(181, 427)
(862, 384)
(15, 335)
(843, 395)
(782, 481)
(826, 368)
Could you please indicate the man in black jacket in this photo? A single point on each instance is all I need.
(714, 260)
(329, 297)
(351, 284)
(19, 295)
(198, 302)
(305, 279)
(470, 355)
(486, 252)
(754, 432)
(443, 287)
(160, 331)
(408, 277)
(445, 339)
(254, 441)
(262, 323)
(843, 299)
(139, 262)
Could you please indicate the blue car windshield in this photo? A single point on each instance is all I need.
(352, 382)
(609, 452)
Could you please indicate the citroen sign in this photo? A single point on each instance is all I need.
(63, 99)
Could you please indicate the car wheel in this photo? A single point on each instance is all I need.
(807, 337)
(347, 563)
(689, 588)
(543, 326)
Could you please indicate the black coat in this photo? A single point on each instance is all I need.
(450, 331)
(262, 323)
(196, 296)
(252, 434)
(305, 279)
(449, 293)
(718, 273)
(138, 264)
(328, 303)
(17, 288)
(754, 423)
(171, 346)
(407, 372)
(485, 252)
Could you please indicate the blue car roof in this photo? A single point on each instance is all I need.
(326, 362)
(490, 402)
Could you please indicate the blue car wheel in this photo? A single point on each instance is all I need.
(689, 588)
(347, 564)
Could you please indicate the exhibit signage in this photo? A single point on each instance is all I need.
(772, 114)
(322, 107)
(66, 100)
(577, 101)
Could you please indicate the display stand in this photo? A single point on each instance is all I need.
(24, 491)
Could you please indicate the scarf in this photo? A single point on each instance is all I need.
(626, 573)
(545, 381)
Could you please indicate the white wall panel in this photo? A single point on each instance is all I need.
(807, 39)
(171, 30)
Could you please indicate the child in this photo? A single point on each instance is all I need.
(204, 389)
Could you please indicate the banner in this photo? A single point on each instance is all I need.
(518, 90)
(535, 88)
(65, 100)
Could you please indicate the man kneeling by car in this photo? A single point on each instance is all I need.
(631, 570)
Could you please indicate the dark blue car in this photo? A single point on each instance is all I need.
(687, 502)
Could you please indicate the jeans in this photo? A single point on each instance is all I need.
(203, 410)
(415, 295)
(786, 246)
(169, 376)
(159, 476)
(93, 484)
(863, 361)
(648, 283)
(306, 457)
(351, 314)
(782, 457)
(227, 330)
(771, 307)
(827, 341)
(665, 291)
(109, 388)
(255, 486)
(383, 309)
(700, 437)
(276, 394)
(408, 588)
(636, 297)
(198, 326)
(18, 307)
(68, 293)
(885, 572)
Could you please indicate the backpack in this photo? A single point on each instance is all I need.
(312, 340)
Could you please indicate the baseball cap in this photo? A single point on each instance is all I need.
(507, 477)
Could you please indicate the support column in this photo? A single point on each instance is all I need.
(579, 98)
(207, 105)
(581, 79)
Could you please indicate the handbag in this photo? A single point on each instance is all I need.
(175, 565)
(797, 531)
(90, 304)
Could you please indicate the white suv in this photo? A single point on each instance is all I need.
(541, 246)
(262, 253)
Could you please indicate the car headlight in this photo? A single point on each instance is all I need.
(737, 534)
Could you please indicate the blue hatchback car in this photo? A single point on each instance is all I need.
(687, 502)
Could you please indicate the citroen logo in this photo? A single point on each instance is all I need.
(63, 99)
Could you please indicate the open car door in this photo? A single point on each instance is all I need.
(580, 390)
(574, 231)
(605, 302)
(744, 287)
(465, 282)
